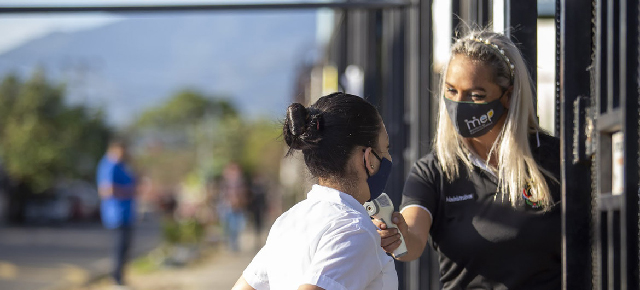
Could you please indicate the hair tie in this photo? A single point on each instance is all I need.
(316, 118)
(498, 49)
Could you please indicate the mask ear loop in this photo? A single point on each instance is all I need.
(364, 161)
(376, 155)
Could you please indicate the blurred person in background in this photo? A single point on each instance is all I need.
(232, 203)
(328, 241)
(488, 194)
(117, 188)
(258, 206)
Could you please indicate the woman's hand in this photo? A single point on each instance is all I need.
(414, 223)
(391, 236)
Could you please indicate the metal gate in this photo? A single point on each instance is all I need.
(615, 136)
(599, 130)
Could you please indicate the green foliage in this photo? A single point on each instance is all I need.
(186, 107)
(181, 136)
(262, 150)
(42, 138)
(194, 135)
(188, 231)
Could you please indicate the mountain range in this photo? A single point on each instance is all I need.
(139, 61)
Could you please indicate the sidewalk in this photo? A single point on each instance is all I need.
(217, 270)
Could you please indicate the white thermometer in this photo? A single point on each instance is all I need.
(381, 208)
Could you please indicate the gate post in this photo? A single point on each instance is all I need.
(574, 57)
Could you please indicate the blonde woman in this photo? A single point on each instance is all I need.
(488, 193)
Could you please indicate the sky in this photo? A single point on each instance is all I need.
(17, 29)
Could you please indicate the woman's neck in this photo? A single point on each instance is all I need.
(346, 187)
(482, 145)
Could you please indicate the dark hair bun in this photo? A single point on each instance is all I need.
(296, 119)
(296, 130)
(329, 130)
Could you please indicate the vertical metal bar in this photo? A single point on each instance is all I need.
(393, 95)
(618, 264)
(393, 68)
(338, 49)
(427, 86)
(597, 216)
(429, 261)
(601, 56)
(414, 65)
(522, 22)
(372, 71)
(413, 60)
(343, 43)
(356, 37)
(629, 98)
(413, 71)
(558, 97)
(486, 13)
(612, 56)
(636, 219)
(455, 17)
(611, 273)
(617, 75)
(601, 273)
(475, 13)
(574, 60)
(471, 12)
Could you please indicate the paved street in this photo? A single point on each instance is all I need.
(216, 269)
(49, 257)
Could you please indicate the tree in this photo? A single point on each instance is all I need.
(186, 107)
(42, 139)
(177, 138)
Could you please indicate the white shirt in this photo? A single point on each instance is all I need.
(327, 240)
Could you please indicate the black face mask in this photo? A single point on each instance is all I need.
(378, 181)
(474, 119)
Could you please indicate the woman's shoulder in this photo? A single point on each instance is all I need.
(546, 138)
(430, 159)
(545, 142)
(426, 167)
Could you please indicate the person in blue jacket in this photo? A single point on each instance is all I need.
(117, 189)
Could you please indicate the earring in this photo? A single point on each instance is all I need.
(371, 166)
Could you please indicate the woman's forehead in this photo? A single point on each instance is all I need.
(463, 70)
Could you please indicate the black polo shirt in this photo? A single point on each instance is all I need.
(483, 241)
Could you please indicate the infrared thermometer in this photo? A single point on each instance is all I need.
(381, 208)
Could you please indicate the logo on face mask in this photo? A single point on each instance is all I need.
(476, 124)
(473, 119)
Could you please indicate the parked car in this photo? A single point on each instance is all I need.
(82, 197)
(45, 208)
(68, 200)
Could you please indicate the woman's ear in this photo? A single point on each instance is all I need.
(367, 160)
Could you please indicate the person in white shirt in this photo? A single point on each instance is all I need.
(328, 241)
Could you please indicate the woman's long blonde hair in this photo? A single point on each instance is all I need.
(516, 167)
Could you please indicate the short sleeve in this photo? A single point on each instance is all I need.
(349, 257)
(256, 273)
(422, 187)
(106, 174)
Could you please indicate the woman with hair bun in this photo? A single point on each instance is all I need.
(328, 241)
(488, 194)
